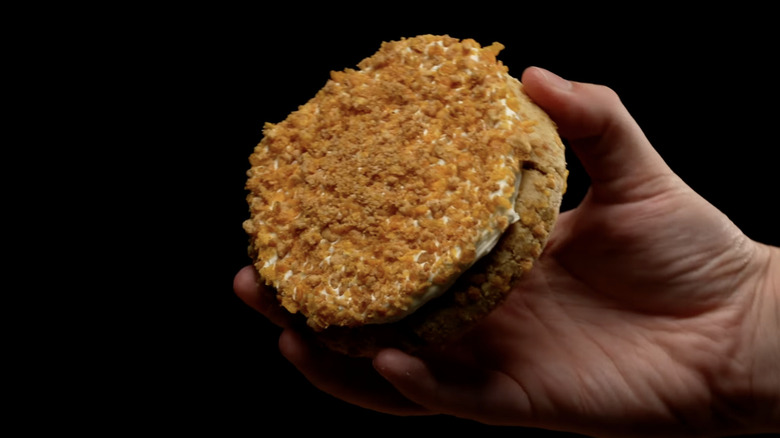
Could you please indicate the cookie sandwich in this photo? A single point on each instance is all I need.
(399, 205)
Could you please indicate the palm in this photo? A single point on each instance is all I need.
(579, 336)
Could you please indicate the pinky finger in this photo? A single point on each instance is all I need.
(484, 395)
(350, 379)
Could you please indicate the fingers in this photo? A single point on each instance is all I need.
(449, 388)
(352, 380)
(247, 286)
(621, 162)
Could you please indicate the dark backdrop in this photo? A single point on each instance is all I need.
(702, 85)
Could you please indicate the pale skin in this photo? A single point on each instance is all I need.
(648, 313)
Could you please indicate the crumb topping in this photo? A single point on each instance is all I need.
(382, 187)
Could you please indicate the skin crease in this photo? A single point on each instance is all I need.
(648, 313)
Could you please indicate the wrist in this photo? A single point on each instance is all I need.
(767, 372)
(750, 383)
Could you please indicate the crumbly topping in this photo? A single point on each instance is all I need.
(383, 184)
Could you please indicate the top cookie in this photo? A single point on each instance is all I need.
(376, 195)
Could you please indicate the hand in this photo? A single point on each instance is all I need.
(649, 312)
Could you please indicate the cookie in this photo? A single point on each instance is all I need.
(400, 204)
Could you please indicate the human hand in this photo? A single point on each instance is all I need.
(648, 313)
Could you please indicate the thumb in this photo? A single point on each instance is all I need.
(621, 162)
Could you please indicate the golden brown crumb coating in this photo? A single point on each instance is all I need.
(383, 187)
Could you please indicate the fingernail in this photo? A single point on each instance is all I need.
(554, 80)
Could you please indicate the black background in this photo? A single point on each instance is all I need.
(702, 85)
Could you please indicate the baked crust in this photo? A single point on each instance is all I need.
(486, 284)
(395, 171)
